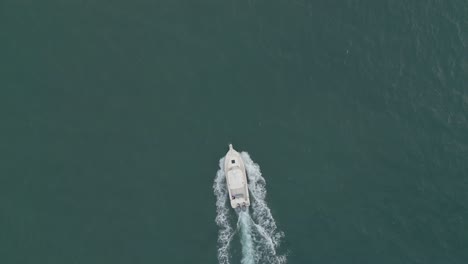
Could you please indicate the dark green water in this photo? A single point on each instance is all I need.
(114, 115)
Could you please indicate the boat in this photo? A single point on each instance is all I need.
(236, 179)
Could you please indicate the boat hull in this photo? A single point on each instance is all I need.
(236, 179)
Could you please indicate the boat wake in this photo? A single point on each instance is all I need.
(245, 225)
(259, 236)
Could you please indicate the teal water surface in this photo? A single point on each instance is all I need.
(116, 113)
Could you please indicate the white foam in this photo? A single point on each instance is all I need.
(261, 211)
(264, 223)
(248, 253)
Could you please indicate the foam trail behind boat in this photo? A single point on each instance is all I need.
(245, 225)
(267, 235)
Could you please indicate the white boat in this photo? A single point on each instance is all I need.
(236, 179)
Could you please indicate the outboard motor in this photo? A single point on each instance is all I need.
(244, 207)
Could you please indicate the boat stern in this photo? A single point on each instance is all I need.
(240, 203)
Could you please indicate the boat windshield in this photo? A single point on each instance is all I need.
(238, 195)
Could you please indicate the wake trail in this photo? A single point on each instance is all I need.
(248, 254)
(261, 211)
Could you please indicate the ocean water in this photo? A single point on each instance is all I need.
(115, 114)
